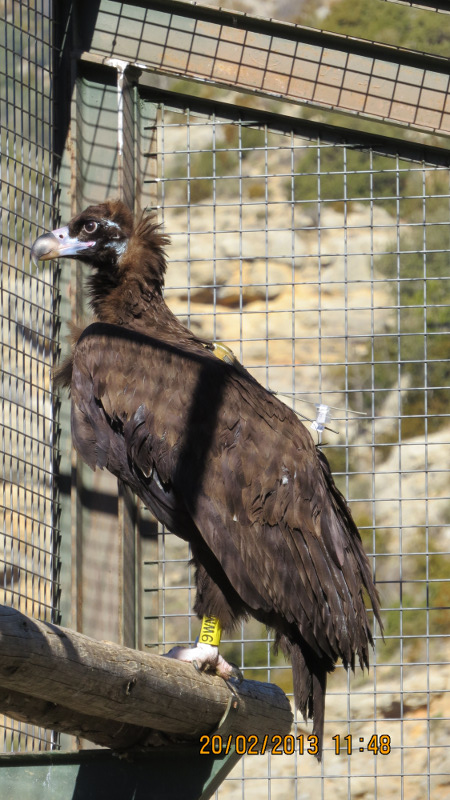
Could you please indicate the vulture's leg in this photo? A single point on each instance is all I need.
(205, 654)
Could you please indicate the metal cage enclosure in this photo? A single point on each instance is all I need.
(319, 254)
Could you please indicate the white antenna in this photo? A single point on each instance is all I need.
(323, 416)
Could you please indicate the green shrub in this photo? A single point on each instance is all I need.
(418, 349)
(389, 23)
(336, 174)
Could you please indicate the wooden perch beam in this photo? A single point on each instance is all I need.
(46, 714)
(116, 696)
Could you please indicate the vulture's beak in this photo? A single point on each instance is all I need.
(57, 244)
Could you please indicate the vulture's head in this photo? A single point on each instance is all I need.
(106, 238)
(98, 236)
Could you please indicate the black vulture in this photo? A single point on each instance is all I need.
(221, 461)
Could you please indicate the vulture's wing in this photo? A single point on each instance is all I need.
(207, 443)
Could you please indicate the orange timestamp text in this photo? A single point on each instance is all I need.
(215, 744)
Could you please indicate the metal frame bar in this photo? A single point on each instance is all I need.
(301, 65)
(431, 5)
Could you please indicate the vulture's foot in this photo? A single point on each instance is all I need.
(206, 658)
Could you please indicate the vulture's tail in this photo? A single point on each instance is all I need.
(310, 685)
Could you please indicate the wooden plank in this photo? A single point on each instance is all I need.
(56, 717)
(102, 679)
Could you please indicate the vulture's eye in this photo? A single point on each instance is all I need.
(90, 226)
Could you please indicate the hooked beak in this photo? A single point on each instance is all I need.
(57, 244)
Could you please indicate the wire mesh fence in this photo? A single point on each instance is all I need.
(29, 331)
(324, 268)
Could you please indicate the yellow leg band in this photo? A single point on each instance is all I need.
(211, 631)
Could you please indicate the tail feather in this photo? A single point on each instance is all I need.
(310, 684)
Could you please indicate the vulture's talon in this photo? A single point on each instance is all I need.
(236, 673)
(206, 658)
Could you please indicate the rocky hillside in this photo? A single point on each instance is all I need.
(302, 292)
